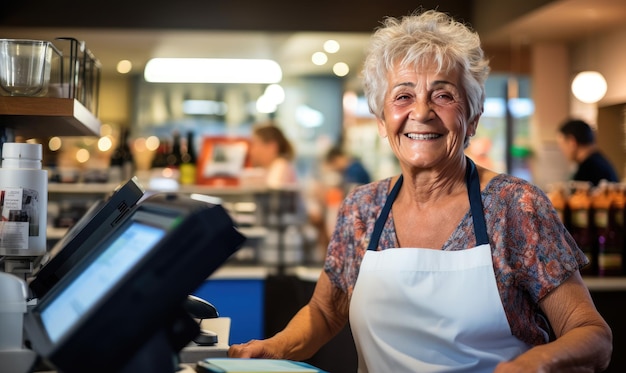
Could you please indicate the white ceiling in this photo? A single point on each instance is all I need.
(565, 21)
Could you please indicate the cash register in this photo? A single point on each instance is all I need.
(121, 307)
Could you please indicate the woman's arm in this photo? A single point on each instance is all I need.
(314, 325)
(584, 340)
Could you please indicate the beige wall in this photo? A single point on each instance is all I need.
(115, 100)
(550, 92)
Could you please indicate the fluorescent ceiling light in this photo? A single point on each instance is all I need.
(212, 70)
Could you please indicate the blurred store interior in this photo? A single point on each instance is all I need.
(536, 47)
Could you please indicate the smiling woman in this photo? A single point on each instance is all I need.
(459, 268)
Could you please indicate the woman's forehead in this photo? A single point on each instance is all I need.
(421, 71)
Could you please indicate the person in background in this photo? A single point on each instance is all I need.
(576, 140)
(272, 151)
(352, 171)
(448, 266)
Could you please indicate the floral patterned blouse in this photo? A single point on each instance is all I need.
(532, 251)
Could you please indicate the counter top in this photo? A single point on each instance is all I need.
(312, 274)
(605, 283)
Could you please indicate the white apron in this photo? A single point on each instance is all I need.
(424, 310)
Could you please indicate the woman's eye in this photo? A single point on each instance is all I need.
(443, 98)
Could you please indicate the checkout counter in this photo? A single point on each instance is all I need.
(122, 306)
(269, 300)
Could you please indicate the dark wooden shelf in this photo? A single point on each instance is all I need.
(37, 117)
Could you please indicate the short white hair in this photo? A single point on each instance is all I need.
(421, 39)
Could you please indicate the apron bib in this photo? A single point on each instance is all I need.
(424, 310)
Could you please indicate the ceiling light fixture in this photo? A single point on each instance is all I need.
(319, 58)
(589, 86)
(341, 69)
(331, 46)
(212, 70)
(124, 66)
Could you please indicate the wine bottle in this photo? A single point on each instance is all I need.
(188, 161)
(582, 226)
(174, 159)
(122, 165)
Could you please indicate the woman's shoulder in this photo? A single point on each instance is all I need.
(507, 194)
(371, 192)
(365, 200)
(505, 183)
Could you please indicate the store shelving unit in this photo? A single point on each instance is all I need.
(47, 116)
(257, 210)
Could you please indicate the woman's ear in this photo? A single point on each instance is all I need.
(382, 130)
(472, 126)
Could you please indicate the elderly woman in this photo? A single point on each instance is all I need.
(448, 266)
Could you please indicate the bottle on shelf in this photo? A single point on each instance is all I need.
(581, 225)
(188, 161)
(617, 214)
(558, 196)
(122, 165)
(174, 158)
(609, 250)
(160, 157)
(23, 200)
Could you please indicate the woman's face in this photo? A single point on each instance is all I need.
(568, 146)
(425, 116)
(262, 153)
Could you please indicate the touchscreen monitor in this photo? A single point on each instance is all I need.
(82, 294)
(100, 220)
(132, 285)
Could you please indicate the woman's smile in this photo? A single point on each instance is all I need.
(423, 136)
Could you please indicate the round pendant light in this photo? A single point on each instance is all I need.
(589, 86)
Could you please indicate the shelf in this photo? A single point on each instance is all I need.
(47, 117)
(82, 188)
(54, 233)
(87, 188)
(605, 283)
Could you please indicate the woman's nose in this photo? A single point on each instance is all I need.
(421, 110)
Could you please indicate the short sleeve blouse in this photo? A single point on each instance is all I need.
(532, 251)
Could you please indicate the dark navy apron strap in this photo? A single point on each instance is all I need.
(476, 203)
(476, 207)
(382, 217)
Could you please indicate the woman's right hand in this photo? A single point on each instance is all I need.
(253, 349)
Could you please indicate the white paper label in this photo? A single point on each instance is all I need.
(20, 217)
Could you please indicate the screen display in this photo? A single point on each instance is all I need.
(98, 278)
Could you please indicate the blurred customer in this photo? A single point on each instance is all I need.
(352, 171)
(577, 141)
(272, 151)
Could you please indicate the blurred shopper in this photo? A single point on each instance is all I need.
(272, 151)
(577, 141)
(351, 169)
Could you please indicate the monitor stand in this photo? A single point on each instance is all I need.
(160, 353)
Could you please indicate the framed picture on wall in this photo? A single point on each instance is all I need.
(222, 160)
